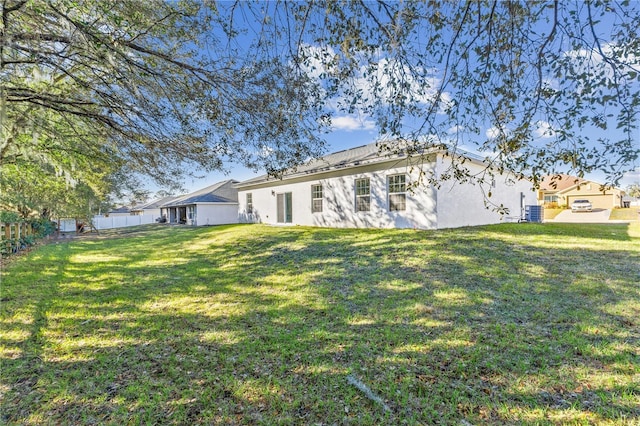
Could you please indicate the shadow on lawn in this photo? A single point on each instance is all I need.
(235, 326)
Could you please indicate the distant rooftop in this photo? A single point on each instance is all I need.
(155, 204)
(559, 182)
(217, 193)
(123, 209)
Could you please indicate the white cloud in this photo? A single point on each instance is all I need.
(350, 123)
(378, 83)
(551, 83)
(317, 60)
(631, 177)
(492, 132)
(455, 130)
(543, 130)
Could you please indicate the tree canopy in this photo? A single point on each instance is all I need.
(538, 87)
(123, 87)
(148, 83)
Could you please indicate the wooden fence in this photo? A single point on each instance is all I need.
(15, 236)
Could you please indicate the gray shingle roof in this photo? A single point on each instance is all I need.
(123, 209)
(155, 204)
(365, 154)
(216, 193)
(348, 157)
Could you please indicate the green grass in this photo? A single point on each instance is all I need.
(248, 324)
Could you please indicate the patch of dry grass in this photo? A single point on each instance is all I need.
(632, 213)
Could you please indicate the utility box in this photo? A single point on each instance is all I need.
(534, 213)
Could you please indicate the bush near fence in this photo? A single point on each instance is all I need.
(18, 236)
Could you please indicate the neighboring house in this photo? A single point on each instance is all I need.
(628, 201)
(214, 205)
(563, 189)
(152, 207)
(360, 188)
(120, 211)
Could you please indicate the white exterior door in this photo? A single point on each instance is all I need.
(284, 207)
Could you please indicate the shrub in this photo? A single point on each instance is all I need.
(9, 217)
(42, 227)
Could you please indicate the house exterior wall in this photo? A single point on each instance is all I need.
(214, 214)
(339, 201)
(453, 205)
(463, 204)
(153, 212)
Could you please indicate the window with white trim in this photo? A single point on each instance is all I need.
(316, 198)
(249, 203)
(363, 195)
(397, 192)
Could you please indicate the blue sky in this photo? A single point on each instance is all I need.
(350, 131)
(347, 133)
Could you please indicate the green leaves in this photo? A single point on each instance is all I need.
(166, 88)
(500, 65)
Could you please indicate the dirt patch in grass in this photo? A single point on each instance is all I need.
(248, 324)
(551, 213)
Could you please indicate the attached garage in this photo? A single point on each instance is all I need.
(565, 189)
(599, 201)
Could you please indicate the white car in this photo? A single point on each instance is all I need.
(581, 206)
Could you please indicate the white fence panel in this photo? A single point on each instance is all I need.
(122, 221)
(67, 225)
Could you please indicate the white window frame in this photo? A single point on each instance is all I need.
(397, 192)
(362, 196)
(249, 202)
(316, 198)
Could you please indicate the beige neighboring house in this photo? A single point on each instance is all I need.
(564, 189)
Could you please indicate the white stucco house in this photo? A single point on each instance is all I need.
(216, 204)
(360, 188)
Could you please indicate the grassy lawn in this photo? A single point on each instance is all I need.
(248, 324)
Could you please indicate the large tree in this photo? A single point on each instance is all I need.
(150, 86)
(34, 190)
(160, 87)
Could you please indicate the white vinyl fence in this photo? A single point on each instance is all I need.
(110, 222)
